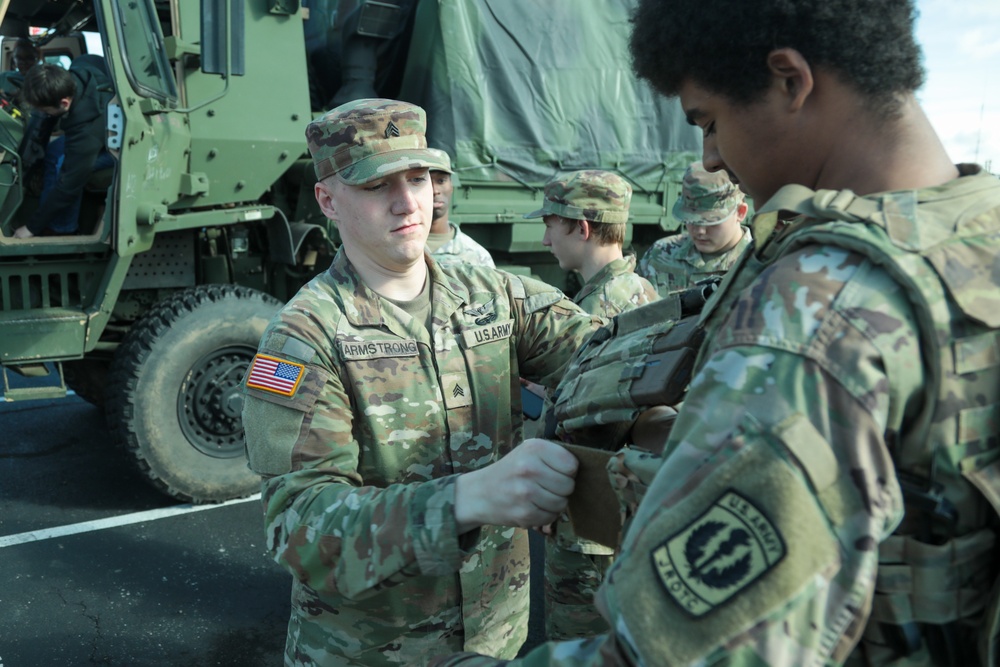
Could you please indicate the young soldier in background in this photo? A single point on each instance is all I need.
(712, 210)
(446, 243)
(586, 216)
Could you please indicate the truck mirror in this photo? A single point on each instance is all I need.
(222, 28)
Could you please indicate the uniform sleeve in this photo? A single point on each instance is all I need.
(757, 541)
(551, 329)
(330, 529)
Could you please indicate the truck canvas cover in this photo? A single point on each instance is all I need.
(512, 94)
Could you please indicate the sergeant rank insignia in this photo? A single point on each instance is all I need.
(728, 547)
(278, 376)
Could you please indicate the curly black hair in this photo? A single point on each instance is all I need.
(722, 45)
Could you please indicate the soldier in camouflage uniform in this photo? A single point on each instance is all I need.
(585, 215)
(382, 410)
(712, 209)
(830, 492)
(446, 243)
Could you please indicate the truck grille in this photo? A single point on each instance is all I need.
(66, 285)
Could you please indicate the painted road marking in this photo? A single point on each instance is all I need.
(112, 522)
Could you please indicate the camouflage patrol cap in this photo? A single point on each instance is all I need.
(707, 198)
(597, 196)
(444, 160)
(364, 140)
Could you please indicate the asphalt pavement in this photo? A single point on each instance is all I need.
(99, 568)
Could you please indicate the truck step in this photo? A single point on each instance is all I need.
(33, 393)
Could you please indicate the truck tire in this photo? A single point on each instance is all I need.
(88, 378)
(174, 399)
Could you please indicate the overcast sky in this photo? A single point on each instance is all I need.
(961, 43)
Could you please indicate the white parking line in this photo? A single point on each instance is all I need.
(112, 522)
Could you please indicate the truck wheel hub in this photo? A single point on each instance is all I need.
(210, 403)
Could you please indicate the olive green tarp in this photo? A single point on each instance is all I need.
(525, 89)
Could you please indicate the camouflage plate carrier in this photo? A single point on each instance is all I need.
(956, 308)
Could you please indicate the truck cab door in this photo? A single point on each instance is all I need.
(150, 143)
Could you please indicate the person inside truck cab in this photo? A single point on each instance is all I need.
(77, 99)
(25, 56)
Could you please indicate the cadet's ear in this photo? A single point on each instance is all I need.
(325, 200)
(792, 74)
(741, 211)
(583, 229)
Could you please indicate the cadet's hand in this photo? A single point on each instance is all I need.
(528, 487)
(652, 428)
(22, 233)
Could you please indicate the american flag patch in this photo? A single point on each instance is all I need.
(275, 375)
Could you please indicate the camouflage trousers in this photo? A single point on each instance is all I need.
(571, 580)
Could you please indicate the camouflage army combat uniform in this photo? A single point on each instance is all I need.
(462, 249)
(384, 416)
(360, 413)
(708, 199)
(615, 289)
(826, 492)
(673, 264)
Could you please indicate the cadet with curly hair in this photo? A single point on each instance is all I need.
(830, 490)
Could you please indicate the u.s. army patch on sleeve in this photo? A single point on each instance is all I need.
(278, 376)
(728, 547)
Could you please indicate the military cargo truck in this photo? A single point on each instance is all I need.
(207, 221)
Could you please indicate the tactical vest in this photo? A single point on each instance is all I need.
(937, 578)
(642, 358)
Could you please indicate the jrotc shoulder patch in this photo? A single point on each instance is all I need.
(278, 376)
(728, 547)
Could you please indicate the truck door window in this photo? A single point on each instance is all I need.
(143, 52)
(60, 59)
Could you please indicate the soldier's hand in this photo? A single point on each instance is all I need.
(652, 428)
(528, 487)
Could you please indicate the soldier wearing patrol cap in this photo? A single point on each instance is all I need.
(446, 243)
(585, 215)
(382, 409)
(712, 209)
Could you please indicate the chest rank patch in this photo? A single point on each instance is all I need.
(378, 349)
(278, 376)
(719, 554)
(456, 390)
